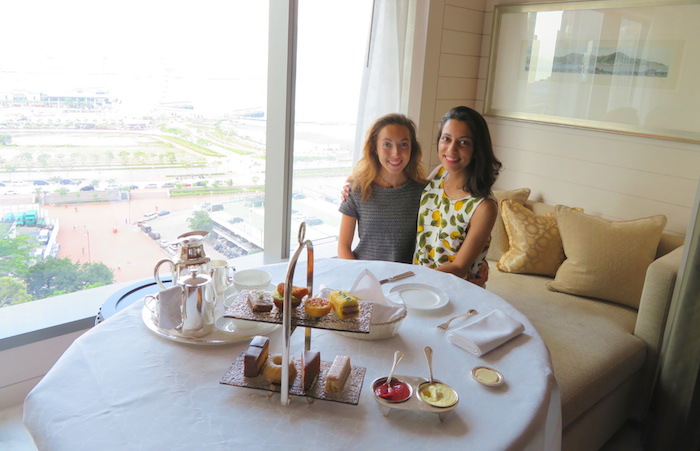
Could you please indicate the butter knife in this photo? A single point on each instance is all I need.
(397, 277)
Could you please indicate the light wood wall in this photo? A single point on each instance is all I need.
(612, 175)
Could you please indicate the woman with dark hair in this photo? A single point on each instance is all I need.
(457, 210)
(385, 187)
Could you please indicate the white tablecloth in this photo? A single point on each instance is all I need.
(120, 386)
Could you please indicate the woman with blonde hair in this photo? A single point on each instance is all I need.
(385, 188)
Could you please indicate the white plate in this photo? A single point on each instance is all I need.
(231, 294)
(418, 296)
(218, 336)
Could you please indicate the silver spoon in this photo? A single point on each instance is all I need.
(429, 357)
(398, 355)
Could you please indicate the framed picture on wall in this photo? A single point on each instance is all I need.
(628, 67)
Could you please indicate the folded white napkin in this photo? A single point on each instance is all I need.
(169, 310)
(367, 288)
(487, 333)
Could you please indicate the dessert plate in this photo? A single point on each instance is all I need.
(418, 296)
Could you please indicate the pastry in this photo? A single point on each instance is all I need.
(310, 368)
(259, 301)
(317, 307)
(272, 370)
(255, 356)
(297, 294)
(253, 361)
(338, 375)
(345, 305)
(260, 341)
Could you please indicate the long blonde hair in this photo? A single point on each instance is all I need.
(368, 166)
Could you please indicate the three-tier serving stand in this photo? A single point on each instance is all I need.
(233, 376)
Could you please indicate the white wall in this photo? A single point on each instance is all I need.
(24, 366)
(612, 175)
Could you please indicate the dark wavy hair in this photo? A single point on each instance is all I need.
(484, 167)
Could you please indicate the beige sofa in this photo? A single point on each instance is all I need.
(604, 354)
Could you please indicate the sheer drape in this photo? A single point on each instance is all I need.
(385, 74)
(675, 412)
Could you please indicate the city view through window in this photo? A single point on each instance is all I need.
(124, 126)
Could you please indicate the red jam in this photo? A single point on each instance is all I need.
(399, 391)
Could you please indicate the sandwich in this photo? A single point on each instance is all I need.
(297, 295)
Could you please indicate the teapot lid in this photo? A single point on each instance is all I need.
(195, 279)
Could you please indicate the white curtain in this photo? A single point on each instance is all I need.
(385, 74)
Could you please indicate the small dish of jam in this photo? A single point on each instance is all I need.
(397, 391)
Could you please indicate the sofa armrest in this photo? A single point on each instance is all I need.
(651, 318)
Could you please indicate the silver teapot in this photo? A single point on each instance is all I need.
(186, 309)
(190, 256)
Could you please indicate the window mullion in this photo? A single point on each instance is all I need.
(279, 158)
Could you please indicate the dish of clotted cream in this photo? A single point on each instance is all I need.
(437, 394)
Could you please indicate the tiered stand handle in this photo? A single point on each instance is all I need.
(287, 311)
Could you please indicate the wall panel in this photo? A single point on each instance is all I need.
(615, 176)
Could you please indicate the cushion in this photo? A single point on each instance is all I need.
(499, 238)
(605, 259)
(591, 342)
(534, 242)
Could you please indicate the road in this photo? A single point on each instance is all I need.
(87, 232)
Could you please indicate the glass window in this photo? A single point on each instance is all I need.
(124, 125)
(331, 54)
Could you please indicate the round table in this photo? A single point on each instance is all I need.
(120, 386)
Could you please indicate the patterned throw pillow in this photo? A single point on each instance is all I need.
(499, 238)
(534, 241)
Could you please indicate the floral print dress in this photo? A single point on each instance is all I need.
(443, 224)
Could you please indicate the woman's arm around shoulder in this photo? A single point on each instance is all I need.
(345, 237)
(434, 172)
(480, 227)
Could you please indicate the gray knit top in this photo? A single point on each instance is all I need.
(386, 222)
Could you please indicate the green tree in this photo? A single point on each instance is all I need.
(13, 291)
(51, 275)
(43, 159)
(15, 255)
(5, 140)
(200, 220)
(55, 276)
(96, 275)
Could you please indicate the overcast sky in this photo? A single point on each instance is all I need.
(210, 53)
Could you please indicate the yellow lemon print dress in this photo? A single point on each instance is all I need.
(442, 226)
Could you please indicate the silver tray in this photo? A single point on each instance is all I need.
(216, 337)
(350, 395)
(240, 309)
